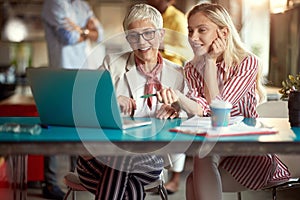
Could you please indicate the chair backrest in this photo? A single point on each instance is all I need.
(273, 109)
(278, 109)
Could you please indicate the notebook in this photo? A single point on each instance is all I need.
(77, 97)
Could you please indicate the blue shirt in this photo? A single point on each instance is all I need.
(64, 50)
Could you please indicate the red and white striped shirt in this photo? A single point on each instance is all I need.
(237, 85)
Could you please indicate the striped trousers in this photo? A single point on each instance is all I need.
(119, 177)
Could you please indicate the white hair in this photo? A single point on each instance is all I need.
(143, 12)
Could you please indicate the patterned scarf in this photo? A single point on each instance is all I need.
(152, 77)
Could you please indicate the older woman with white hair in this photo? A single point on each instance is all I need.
(134, 73)
(143, 70)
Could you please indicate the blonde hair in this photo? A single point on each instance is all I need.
(143, 12)
(235, 51)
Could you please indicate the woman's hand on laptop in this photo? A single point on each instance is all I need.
(127, 105)
(167, 111)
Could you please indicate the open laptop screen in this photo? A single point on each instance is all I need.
(76, 97)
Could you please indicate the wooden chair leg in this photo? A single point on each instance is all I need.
(74, 195)
(239, 195)
(68, 193)
(274, 193)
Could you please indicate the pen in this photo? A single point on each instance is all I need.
(148, 95)
(132, 113)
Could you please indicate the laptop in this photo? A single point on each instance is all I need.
(77, 97)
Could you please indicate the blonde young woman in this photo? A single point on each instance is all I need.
(222, 69)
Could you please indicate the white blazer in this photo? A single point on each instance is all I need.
(127, 80)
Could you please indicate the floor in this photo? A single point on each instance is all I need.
(35, 194)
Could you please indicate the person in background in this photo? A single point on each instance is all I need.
(137, 72)
(175, 50)
(223, 69)
(69, 25)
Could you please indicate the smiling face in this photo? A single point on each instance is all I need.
(202, 33)
(145, 48)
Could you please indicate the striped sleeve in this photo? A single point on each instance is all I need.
(239, 89)
(242, 81)
(195, 86)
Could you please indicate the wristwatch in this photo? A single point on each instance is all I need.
(85, 32)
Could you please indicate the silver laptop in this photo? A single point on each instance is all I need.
(77, 97)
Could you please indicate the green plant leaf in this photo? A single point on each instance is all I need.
(292, 83)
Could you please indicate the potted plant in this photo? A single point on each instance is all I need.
(291, 92)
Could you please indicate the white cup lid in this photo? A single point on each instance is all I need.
(220, 104)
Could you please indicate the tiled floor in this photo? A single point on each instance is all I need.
(35, 194)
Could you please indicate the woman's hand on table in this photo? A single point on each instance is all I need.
(166, 112)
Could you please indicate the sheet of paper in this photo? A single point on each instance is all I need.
(237, 129)
(197, 121)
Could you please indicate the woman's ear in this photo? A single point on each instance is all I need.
(162, 34)
(225, 32)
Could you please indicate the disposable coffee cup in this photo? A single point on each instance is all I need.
(220, 113)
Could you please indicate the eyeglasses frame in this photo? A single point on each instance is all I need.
(138, 36)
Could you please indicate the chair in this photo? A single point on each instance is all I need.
(157, 187)
(72, 181)
(273, 109)
(278, 109)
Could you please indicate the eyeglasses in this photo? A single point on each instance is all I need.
(135, 37)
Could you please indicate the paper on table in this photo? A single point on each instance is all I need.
(239, 129)
(197, 121)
